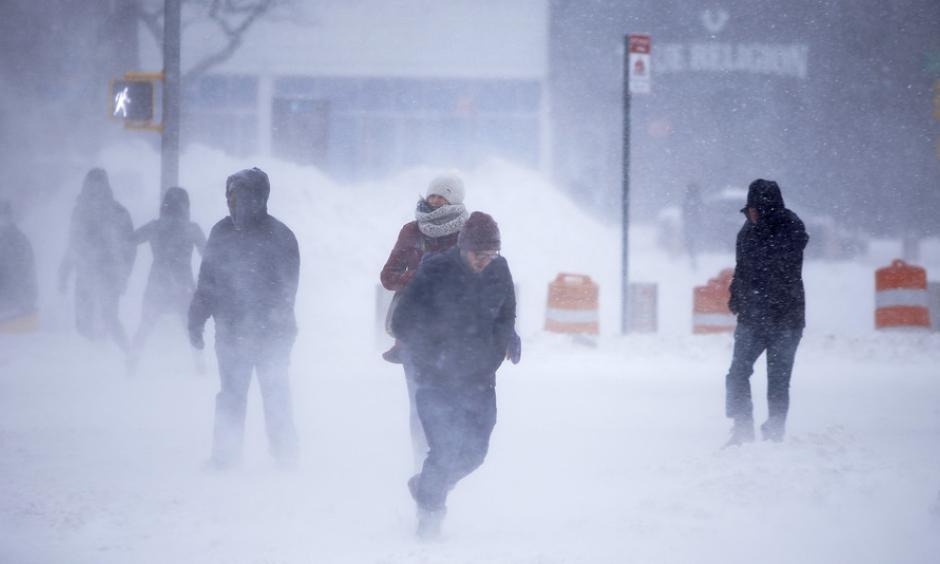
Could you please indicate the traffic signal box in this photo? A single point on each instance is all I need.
(133, 98)
(936, 99)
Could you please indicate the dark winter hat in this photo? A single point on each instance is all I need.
(479, 233)
(764, 196)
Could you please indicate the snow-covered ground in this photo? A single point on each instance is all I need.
(603, 454)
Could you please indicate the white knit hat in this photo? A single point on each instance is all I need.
(449, 186)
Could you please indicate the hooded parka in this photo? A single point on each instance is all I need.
(248, 277)
(767, 288)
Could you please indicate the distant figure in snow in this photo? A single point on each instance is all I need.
(101, 252)
(456, 319)
(170, 286)
(247, 283)
(692, 220)
(17, 270)
(767, 296)
(439, 216)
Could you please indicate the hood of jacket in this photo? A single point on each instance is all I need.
(175, 204)
(764, 196)
(247, 192)
(96, 188)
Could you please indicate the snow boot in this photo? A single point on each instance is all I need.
(429, 524)
(742, 432)
(393, 354)
(772, 430)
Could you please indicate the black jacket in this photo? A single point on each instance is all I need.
(172, 239)
(457, 324)
(101, 247)
(248, 277)
(17, 273)
(767, 288)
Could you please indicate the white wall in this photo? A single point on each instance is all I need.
(414, 38)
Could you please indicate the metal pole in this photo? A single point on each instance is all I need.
(170, 138)
(625, 194)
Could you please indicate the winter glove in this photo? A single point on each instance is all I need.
(195, 338)
(514, 350)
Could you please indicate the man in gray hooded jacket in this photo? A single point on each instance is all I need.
(247, 283)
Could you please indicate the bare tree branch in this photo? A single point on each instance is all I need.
(233, 18)
(152, 20)
(234, 34)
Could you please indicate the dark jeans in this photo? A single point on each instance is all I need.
(749, 343)
(458, 424)
(96, 309)
(237, 359)
(419, 444)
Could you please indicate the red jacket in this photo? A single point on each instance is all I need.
(406, 256)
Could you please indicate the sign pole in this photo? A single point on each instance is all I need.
(170, 138)
(636, 80)
(625, 196)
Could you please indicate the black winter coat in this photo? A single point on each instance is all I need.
(767, 288)
(172, 238)
(17, 274)
(101, 247)
(248, 276)
(457, 324)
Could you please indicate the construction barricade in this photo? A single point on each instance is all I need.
(26, 323)
(933, 298)
(572, 305)
(710, 313)
(901, 300)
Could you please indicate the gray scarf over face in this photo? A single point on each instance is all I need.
(445, 220)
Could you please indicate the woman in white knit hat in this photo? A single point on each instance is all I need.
(439, 217)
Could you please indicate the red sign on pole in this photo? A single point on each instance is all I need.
(639, 64)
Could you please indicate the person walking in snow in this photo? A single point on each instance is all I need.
(768, 298)
(439, 216)
(101, 252)
(170, 286)
(247, 284)
(17, 270)
(457, 320)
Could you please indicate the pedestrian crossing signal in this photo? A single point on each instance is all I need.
(132, 100)
(936, 100)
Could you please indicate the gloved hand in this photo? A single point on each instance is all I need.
(195, 338)
(514, 349)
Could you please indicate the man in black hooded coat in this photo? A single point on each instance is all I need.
(247, 283)
(768, 298)
(457, 320)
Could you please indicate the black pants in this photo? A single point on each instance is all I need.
(97, 305)
(458, 424)
(749, 343)
(238, 358)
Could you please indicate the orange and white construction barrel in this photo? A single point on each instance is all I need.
(710, 313)
(572, 305)
(901, 299)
